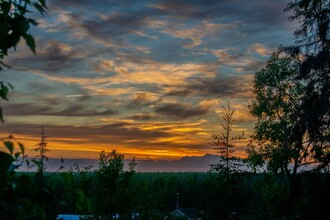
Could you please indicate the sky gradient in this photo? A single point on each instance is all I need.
(146, 78)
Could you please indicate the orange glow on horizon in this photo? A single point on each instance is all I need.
(157, 148)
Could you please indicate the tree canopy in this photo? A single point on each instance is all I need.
(312, 47)
(292, 95)
(15, 23)
(278, 95)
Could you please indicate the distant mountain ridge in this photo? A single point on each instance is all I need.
(184, 164)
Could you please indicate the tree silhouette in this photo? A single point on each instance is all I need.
(41, 148)
(223, 143)
(278, 95)
(113, 195)
(15, 24)
(292, 103)
(312, 47)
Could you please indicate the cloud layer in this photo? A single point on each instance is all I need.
(146, 76)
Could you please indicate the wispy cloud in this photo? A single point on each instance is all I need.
(261, 49)
(197, 33)
(221, 86)
(28, 109)
(143, 116)
(144, 100)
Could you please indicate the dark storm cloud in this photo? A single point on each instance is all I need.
(181, 111)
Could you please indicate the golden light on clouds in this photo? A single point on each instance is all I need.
(147, 80)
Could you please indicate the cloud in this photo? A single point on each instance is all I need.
(242, 60)
(143, 117)
(254, 11)
(221, 86)
(81, 110)
(195, 34)
(229, 57)
(181, 111)
(144, 100)
(108, 28)
(154, 65)
(28, 109)
(52, 57)
(208, 103)
(139, 70)
(114, 27)
(179, 9)
(260, 49)
(115, 132)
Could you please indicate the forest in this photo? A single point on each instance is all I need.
(288, 154)
(112, 191)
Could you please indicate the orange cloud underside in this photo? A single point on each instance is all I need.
(60, 148)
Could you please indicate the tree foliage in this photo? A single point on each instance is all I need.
(292, 96)
(41, 148)
(313, 35)
(224, 142)
(20, 196)
(292, 106)
(14, 25)
(277, 96)
(313, 47)
(113, 195)
(229, 166)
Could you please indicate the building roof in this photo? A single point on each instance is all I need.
(176, 214)
(67, 217)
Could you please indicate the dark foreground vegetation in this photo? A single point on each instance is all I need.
(153, 196)
(112, 191)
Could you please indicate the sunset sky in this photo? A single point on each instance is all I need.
(146, 78)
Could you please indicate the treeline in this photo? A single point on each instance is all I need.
(111, 191)
(153, 195)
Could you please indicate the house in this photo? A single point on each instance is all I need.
(176, 214)
(184, 213)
